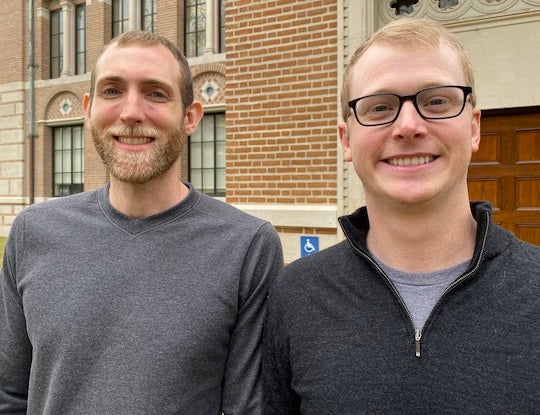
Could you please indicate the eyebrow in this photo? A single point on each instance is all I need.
(427, 85)
(146, 81)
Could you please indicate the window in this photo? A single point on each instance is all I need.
(207, 155)
(68, 160)
(195, 27)
(80, 39)
(222, 26)
(56, 43)
(133, 15)
(67, 40)
(204, 27)
(120, 16)
(148, 14)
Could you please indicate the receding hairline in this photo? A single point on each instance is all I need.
(150, 39)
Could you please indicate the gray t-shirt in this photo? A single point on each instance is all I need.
(421, 290)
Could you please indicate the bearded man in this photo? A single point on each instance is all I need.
(145, 296)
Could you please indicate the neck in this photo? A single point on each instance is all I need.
(423, 240)
(138, 200)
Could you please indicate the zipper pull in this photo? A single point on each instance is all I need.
(417, 337)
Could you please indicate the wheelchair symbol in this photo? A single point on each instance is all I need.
(308, 247)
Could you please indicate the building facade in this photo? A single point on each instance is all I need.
(268, 74)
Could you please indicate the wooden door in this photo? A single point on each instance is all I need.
(506, 171)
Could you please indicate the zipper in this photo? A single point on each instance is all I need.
(418, 332)
(417, 338)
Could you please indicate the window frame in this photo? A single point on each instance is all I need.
(80, 44)
(198, 6)
(151, 15)
(56, 43)
(218, 166)
(59, 171)
(221, 26)
(121, 9)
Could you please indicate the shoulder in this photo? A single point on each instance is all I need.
(58, 206)
(504, 244)
(42, 221)
(495, 243)
(319, 272)
(327, 261)
(512, 265)
(226, 214)
(524, 257)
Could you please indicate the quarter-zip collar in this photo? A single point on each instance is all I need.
(356, 226)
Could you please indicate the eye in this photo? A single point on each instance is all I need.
(380, 105)
(380, 108)
(376, 107)
(436, 101)
(436, 104)
(158, 95)
(109, 91)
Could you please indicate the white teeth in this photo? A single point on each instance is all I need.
(134, 140)
(411, 161)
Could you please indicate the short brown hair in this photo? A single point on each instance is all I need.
(408, 32)
(139, 37)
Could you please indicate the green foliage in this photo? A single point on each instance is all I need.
(2, 244)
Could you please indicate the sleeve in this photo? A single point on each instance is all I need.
(279, 397)
(242, 384)
(15, 347)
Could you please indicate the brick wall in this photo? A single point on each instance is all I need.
(12, 107)
(14, 52)
(281, 101)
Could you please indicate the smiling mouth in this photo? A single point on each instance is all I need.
(411, 161)
(133, 140)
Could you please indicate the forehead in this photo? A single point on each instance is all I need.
(137, 61)
(404, 69)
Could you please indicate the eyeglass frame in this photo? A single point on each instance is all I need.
(467, 90)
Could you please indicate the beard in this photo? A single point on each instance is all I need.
(141, 166)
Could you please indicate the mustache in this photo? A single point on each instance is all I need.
(130, 131)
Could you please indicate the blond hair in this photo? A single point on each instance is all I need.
(409, 32)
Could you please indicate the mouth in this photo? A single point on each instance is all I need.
(410, 161)
(133, 140)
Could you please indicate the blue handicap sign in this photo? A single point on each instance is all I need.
(309, 245)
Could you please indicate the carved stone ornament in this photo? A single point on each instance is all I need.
(452, 10)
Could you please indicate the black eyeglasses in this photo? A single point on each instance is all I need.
(435, 103)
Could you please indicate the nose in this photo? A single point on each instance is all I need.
(132, 108)
(409, 123)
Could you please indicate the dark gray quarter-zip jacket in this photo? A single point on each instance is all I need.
(338, 339)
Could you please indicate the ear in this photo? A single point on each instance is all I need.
(343, 132)
(193, 116)
(86, 104)
(475, 130)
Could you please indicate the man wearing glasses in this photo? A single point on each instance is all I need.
(427, 306)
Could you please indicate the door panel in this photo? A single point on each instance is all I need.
(506, 171)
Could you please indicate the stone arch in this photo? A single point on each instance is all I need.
(63, 105)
